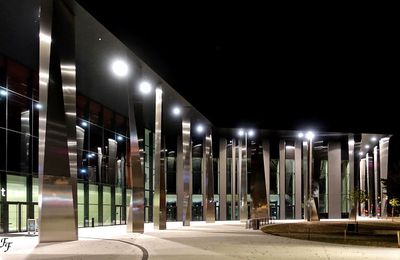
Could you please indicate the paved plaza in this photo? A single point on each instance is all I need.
(220, 240)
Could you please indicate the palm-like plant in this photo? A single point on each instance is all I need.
(357, 196)
(394, 202)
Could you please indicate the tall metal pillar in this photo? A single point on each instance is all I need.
(305, 181)
(243, 179)
(136, 175)
(222, 176)
(187, 169)
(297, 172)
(376, 180)
(334, 179)
(233, 176)
(267, 161)
(57, 120)
(159, 197)
(208, 201)
(351, 164)
(179, 179)
(383, 165)
(362, 183)
(282, 181)
(369, 181)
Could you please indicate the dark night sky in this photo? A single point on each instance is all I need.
(258, 66)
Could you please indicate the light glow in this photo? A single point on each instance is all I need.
(176, 111)
(199, 128)
(251, 133)
(120, 68)
(241, 132)
(145, 87)
(310, 135)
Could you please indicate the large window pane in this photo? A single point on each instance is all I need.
(18, 152)
(35, 189)
(19, 113)
(16, 188)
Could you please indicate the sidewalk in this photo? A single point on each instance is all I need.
(220, 240)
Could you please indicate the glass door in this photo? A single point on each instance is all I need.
(118, 215)
(17, 215)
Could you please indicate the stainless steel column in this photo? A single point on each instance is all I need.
(136, 175)
(369, 181)
(208, 205)
(351, 165)
(376, 180)
(383, 165)
(334, 180)
(233, 176)
(305, 181)
(362, 183)
(57, 123)
(186, 155)
(298, 163)
(179, 179)
(243, 179)
(159, 197)
(266, 161)
(222, 176)
(282, 175)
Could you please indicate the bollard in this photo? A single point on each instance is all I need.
(92, 222)
(398, 238)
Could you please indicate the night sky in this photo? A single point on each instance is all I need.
(248, 65)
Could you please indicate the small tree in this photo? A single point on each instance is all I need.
(394, 202)
(357, 196)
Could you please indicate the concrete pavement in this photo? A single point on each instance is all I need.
(221, 240)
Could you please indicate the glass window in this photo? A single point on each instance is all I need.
(118, 196)
(82, 107)
(106, 205)
(108, 119)
(93, 194)
(18, 152)
(81, 193)
(18, 78)
(81, 204)
(93, 204)
(16, 188)
(2, 149)
(171, 175)
(95, 113)
(3, 102)
(19, 113)
(35, 189)
(96, 138)
(196, 182)
(128, 196)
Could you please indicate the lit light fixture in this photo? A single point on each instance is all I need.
(176, 111)
(3, 92)
(83, 170)
(120, 138)
(360, 153)
(310, 135)
(200, 128)
(120, 68)
(351, 142)
(241, 132)
(250, 133)
(289, 147)
(145, 87)
(38, 106)
(373, 139)
(99, 38)
(300, 135)
(366, 146)
(84, 124)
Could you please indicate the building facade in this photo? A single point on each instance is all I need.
(81, 146)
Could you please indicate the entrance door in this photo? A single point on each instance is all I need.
(17, 215)
(118, 215)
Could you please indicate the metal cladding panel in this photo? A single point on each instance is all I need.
(282, 158)
(243, 180)
(298, 163)
(57, 123)
(383, 165)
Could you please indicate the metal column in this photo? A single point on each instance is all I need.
(282, 175)
(187, 169)
(266, 160)
(362, 183)
(222, 175)
(243, 179)
(159, 198)
(179, 179)
(297, 172)
(383, 165)
(376, 180)
(208, 202)
(334, 180)
(57, 123)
